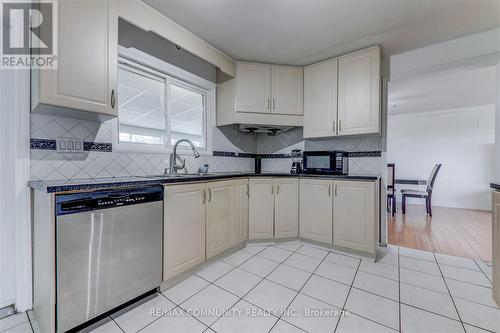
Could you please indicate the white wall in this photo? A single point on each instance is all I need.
(462, 140)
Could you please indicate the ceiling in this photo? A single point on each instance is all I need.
(301, 32)
(458, 89)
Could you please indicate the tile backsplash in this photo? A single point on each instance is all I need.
(53, 165)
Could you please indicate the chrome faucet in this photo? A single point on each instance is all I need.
(174, 157)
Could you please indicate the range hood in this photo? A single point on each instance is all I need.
(270, 130)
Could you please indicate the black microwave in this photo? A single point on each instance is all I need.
(326, 162)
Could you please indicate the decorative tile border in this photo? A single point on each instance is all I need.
(49, 144)
(365, 154)
(261, 156)
(232, 154)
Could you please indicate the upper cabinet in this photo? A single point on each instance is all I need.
(320, 99)
(262, 94)
(85, 79)
(342, 96)
(359, 92)
(287, 90)
(253, 88)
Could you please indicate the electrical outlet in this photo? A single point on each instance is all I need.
(69, 145)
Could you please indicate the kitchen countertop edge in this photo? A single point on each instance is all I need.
(99, 184)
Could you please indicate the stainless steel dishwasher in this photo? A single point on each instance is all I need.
(108, 251)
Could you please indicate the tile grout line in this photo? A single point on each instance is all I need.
(449, 292)
(486, 275)
(293, 299)
(399, 292)
(209, 283)
(113, 320)
(262, 279)
(348, 294)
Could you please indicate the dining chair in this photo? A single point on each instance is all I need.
(427, 194)
(391, 189)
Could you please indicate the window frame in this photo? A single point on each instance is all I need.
(144, 64)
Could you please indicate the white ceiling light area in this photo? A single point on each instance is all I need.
(445, 91)
(141, 101)
(301, 32)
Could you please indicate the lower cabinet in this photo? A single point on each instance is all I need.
(261, 209)
(242, 193)
(316, 208)
(354, 223)
(286, 208)
(340, 213)
(273, 208)
(201, 221)
(221, 217)
(184, 228)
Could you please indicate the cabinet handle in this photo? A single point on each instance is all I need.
(204, 196)
(335, 189)
(112, 98)
(248, 190)
(278, 189)
(272, 189)
(274, 104)
(340, 125)
(268, 104)
(329, 190)
(334, 128)
(209, 194)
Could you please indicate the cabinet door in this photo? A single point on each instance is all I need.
(354, 215)
(496, 246)
(184, 228)
(320, 99)
(287, 90)
(286, 216)
(261, 209)
(221, 217)
(316, 206)
(359, 92)
(242, 192)
(86, 75)
(253, 87)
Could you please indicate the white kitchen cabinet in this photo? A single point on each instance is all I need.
(221, 216)
(253, 87)
(286, 209)
(359, 92)
(496, 246)
(287, 90)
(354, 223)
(320, 99)
(184, 228)
(316, 209)
(262, 94)
(86, 76)
(242, 193)
(261, 209)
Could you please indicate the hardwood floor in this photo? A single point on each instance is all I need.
(452, 231)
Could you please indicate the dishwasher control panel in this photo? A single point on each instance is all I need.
(82, 202)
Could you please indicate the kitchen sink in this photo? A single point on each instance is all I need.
(179, 175)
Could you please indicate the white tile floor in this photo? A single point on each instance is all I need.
(297, 287)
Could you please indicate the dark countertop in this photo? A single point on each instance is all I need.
(54, 186)
(495, 186)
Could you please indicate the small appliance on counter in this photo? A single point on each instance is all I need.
(296, 162)
(326, 162)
